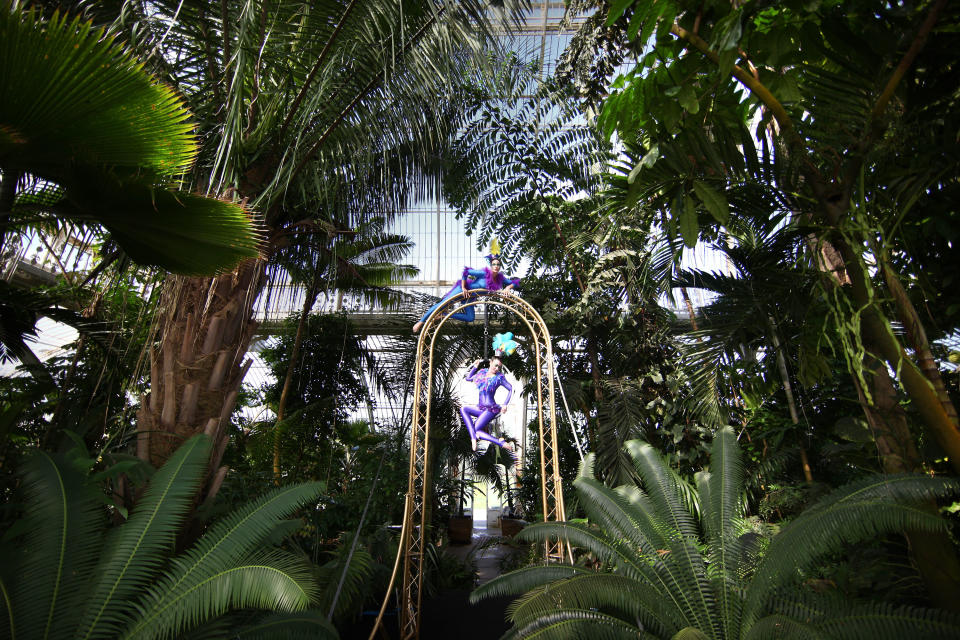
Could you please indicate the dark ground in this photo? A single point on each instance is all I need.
(450, 616)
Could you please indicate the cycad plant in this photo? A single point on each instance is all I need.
(69, 578)
(678, 561)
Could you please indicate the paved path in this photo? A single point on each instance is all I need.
(451, 616)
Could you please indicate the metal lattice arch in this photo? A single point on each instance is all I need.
(410, 553)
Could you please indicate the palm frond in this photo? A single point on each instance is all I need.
(304, 625)
(356, 584)
(223, 545)
(182, 232)
(721, 501)
(886, 621)
(632, 518)
(782, 626)
(578, 623)
(73, 94)
(523, 580)
(610, 593)
(273, 581)
(613, 551)
(861, 510)
(134, 553)
(64, 524)
(663, 487)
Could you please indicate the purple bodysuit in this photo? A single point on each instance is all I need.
(477, 417)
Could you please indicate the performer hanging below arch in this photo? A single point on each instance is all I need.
(477, 417)
(489, 278)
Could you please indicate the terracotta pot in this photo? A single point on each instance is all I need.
(510, 527)
(460, 529)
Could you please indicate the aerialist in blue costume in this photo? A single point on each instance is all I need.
(487, 278)
(477, 417)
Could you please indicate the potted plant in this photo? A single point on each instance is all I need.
(460, 524)
(511, 521)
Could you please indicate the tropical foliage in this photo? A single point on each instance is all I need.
(736, 218)
(87, 134)
(681, 561)
(68, 578)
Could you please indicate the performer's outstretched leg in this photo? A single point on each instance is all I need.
(481, 430)
(468, 414)
(467, 315)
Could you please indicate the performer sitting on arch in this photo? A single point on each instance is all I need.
(487, 278)
(477, 417)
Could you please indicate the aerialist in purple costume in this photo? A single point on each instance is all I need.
(478, 416)
(487, 278)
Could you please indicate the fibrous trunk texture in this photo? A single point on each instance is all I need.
(196, 367)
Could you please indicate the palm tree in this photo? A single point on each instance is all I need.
(826, 109)
(314, 113)
(70, 579)
(760, 308)
(87, 135)
(678, 560)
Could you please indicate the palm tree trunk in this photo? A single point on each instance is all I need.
(308, 302)
(908, 316)
(205, 325)
(877, 331)
(690, 309)
(8, 191)
(788, 390)
(933, 554)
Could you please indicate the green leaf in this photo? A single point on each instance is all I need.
(729, 31)
(688, 224)
(688, 99)
(715, 202)
(727, 59)
(131, 557)
(105, 108)
(64, 530)
(617, 9)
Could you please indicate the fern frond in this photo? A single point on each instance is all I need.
(272, 581)
(134, 552)
(64, 521)
(523, 580)
(576, 623)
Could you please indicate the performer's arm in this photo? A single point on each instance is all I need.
(473, 371)
(503, 381)
(473, 273)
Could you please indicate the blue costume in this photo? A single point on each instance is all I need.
(476, 279)
(477, 417)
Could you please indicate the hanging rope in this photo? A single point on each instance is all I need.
(563, 395)
(356, 536)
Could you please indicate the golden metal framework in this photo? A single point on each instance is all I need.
(414, 521)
